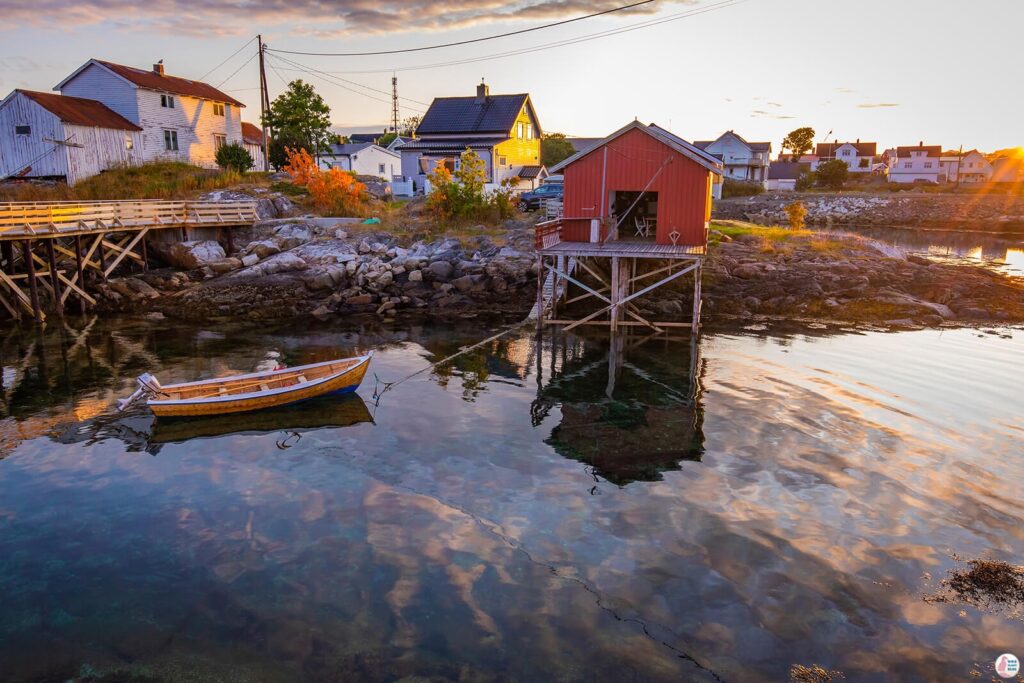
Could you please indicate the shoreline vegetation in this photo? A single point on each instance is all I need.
(408, 260)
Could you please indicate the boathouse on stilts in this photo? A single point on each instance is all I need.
(634, 218)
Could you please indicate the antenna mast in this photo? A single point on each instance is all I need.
(394, 104)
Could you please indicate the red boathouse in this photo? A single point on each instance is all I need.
(640, 193)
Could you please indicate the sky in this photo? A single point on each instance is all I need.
(897, 72)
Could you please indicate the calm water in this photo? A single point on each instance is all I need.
(535, 512)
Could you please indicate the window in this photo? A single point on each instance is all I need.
(171, 140)
(907, 164)
(529, 131)
(519, 130)
(219, 141)
(128, 142)
(167, 101)
(218, 109)
(846, 152)
(23, 130)
(927, 164)
(380, 168)
(502, 161)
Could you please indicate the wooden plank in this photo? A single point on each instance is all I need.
(127, 250)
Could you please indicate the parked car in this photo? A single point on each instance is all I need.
(534, 199)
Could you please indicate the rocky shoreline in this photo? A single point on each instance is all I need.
(989, 213)
(293, 268)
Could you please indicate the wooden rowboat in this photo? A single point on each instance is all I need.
(255, 391)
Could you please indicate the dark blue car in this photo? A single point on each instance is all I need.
(532, 200)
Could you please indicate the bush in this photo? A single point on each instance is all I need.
(832, 174)
(796, 212)
(741, 188)
(804, 182)
(335, 192)
(234, 157)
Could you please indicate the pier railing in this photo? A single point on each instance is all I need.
(548, 233)
(29, 219)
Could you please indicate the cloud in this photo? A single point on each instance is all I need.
(845, 90)
(774, 104)
(761, 114)
(877, 105)
(317, 18)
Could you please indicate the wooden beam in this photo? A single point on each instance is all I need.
(127, 250)
(80, 273)
(51, 257)
(32, 287)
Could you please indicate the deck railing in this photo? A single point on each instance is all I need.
(47, 218)
(548, 233)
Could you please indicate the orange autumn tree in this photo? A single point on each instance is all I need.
(333, 191)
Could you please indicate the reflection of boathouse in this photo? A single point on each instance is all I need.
(629, 413)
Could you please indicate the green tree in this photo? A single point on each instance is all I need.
(799, 141)
(555, 148)
(409, 125)
(300, 116)
(278, 146)
(832, 174)
(234, 157)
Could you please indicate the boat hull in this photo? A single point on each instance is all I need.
(344, 382)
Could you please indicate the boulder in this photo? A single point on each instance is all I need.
(416, 276)
(250, 260)
(359, 300)
(263, 248)
(194, 254)
(225, 265)
(441, 270)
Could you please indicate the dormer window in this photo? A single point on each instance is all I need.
(218, 109)
(167, 101)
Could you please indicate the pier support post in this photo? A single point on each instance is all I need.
(540, 291)
(696, 297)
(101, 255)
(51, 261)
(81, 272)
(615, 295)
(33, 287)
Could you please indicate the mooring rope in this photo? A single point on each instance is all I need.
(388, 386)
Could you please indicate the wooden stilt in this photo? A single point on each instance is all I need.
(230, 242)
(696, 296)
(33, 287)
(540, 291)
(616, 295)
(145, 255)
(51, 259)
(101, 255)
(80, 270)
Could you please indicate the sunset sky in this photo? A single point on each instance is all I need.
(891, 71)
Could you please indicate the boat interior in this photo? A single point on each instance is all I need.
(235, 385)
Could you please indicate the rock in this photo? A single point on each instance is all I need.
(155, 316)
(385, 279)
(359, 300)
(283, 206)
(291, 235)
(319, 280)
(386, 306)
(193, 254)
(340, 235)
(464, 283)
(441, 270)
(321, 311)
(280, 263)
(263, 248)
(250, 260)
(974, 313)
(746, 272)
(225, 265)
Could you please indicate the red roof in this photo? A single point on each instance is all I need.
(251, 133)
(929, 150)
(79, 111)
(180, 86)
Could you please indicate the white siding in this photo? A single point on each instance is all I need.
(96, 83)
(741, 162)
(256, 152)
(195, 123)
(102, 148)
(19, 151)
(367, 161)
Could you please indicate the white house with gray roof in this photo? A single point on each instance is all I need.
(747, 161)
(363, 158)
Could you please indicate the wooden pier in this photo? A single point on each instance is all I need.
(610, 272)
(49, 248)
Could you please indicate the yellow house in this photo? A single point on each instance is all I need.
(502, 129)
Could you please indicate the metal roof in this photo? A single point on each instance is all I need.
(419, 145)
(754, 146)
(251, 133)
(349, 148)
(465, 115)
(787, 170)
(151, 80)
(530, 172)
(79, 111)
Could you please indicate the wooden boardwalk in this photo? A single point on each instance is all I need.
(48, 247)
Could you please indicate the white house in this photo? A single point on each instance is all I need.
(859, 157)
(364, 158)
(44, 135)
(920, 163)
(743, 160)
(181, 120)
(252, 140)
(973, 167)
(782, 175)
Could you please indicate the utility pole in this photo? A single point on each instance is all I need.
(959, 162)
(264, 106)
(394, 104)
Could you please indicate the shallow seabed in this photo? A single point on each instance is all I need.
(574, 509)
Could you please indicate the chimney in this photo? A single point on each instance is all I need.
(482, 92)
(920, 143)
(158, 68)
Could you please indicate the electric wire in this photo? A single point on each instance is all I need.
(233, 73)
(203, 77)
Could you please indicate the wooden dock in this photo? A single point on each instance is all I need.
(49, 247)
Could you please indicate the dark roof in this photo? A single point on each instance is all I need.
(530, 172)
(828, 149)
(932, 150)
(151, 80)
(363, 137)
(580, 144)
(420, 145)
(786, 170)
(251, 133)
(754, 146)
(465, 115)
(80, 111)
(350, 148)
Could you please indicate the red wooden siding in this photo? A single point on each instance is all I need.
(683, 187)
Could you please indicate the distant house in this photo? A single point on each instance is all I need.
(398, 142)
(45, 135)
(181, 119)
(973, 167)
(743, 160)
(920, 163)
(1008, 170)
(859, 157)
(359, 138)
(363, 158)
(502, 129)
(580, 144)
(252, 140)
(782, 175)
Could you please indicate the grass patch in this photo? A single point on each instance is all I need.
(162, 180)
(773, 233)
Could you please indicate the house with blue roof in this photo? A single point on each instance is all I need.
(503, 130)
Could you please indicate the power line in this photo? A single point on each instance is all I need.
(228, 59)
(548, 46)
(467, 42)
(244, 64)
(334, 79)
